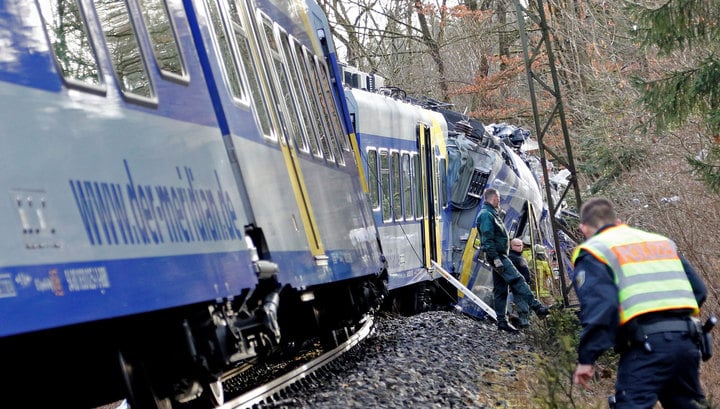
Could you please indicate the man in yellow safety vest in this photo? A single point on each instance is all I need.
(638, 294)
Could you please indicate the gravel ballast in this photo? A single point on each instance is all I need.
(438, 359)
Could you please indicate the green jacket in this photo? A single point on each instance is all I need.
(494, 237)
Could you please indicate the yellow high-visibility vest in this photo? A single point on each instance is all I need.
(647, 270)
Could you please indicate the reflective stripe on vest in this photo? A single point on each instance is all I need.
(647, 270)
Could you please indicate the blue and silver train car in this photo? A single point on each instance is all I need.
(404, 158)
(181, 197)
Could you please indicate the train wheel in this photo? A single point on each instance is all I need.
(141, 394)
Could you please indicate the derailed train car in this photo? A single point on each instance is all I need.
(499, 163)
(404, 160)
(181, 197)
(418, 154)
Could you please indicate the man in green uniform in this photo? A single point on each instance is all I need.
(495, 243)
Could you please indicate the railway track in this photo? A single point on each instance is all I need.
(270, 393)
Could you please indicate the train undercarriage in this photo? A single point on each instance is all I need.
(176, 358)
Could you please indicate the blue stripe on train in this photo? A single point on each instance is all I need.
(53, 295)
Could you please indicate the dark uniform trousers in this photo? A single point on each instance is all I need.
(523, 297)
(668, 372)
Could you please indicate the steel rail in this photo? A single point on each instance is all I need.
(263, 392)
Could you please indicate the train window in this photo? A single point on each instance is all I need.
(163, 39)
(301, 98)
(338, 136)
(288, 107)
(372, 181)
(407, 186)
(124, 49)
(419, 191)
(74, 54)
(222, 41)
(443, 183)
(259, 102)
(396, 188)
(319, 100)
(385, 185)
(316, 100)
(437, 185)
(316, 118)
(334, 116)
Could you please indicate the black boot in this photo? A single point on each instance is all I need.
(505, 326)
(542, 311)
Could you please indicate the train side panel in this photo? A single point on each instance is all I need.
(404, 155)
(118, 202)
(388, 128)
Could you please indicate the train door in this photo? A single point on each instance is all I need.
(429, 192)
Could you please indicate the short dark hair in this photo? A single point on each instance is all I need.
(598, 212)
(490, 192)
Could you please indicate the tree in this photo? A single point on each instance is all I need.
(429, 48)
(687, 32)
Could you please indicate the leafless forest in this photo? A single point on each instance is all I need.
(470, 54)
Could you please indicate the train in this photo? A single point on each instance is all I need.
(192, 185)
